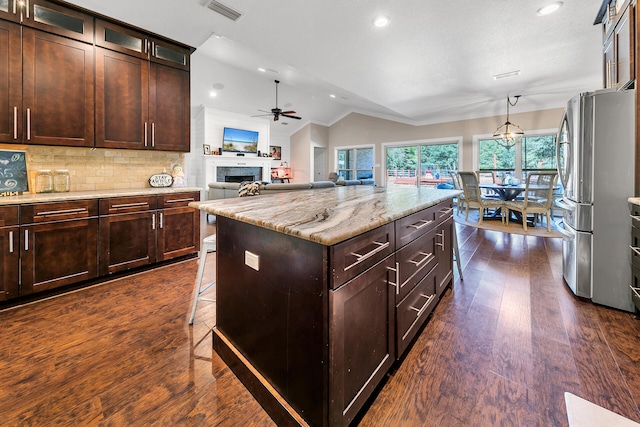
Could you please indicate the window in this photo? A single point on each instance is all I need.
(536, 152)
(355, 163)
(430, 161)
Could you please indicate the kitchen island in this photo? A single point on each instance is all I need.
(320, 292)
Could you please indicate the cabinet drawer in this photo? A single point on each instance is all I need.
(119, 205)
(177, 200)
(414, 261)
(8, 216)
(58, 211)
(350, 258)
(413, 311)
(411, 227)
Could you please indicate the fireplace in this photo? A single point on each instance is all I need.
(238, 173)
(239, 178)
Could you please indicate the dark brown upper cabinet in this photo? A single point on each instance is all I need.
(58, 90)
(54, 18)
(126, 40)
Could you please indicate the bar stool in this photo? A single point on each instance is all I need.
(208, 245)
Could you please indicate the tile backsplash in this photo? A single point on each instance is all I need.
(99, 168)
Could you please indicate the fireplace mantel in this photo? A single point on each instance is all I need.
(211, 163)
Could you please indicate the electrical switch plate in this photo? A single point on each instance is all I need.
(252, 260)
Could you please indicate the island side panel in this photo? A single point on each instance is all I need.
(277, 317)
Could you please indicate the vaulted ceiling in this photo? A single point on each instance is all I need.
(434, 62)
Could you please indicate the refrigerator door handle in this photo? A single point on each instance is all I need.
(567, 234)
(559, 143)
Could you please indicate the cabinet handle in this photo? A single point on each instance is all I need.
(381, 247)
(190, 199)
(145, 42)
(446, 211)
(145, 134)
(28, 124)
(636, 250)
(635, 291)
(153, 134)
(15, 122)
(428, 256)
(26, 240)
(426, 304)
(153, 221)
(153, 49)
(63, 212)
(11, 242)
(424, 224)
(129, 205)
(27, 1)
(397, 271)
(161, 218)
(636, 217)
(15, 2)
(441, 244)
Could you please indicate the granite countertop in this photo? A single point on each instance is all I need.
(96, 194)
(327, 216)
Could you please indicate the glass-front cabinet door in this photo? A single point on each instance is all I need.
(57, 19)
(9, 10)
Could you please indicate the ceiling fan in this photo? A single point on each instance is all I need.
(277, 112)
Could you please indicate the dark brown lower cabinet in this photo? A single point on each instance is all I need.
(59, 244)
(362, 339)
(9, 252)
(311, 330)
(178, 225)
(127, 241)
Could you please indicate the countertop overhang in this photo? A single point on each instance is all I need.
(327, 216)
(95, 194)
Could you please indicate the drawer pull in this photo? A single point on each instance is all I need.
(426, 304)
(446, 211)
(397, 271)
(63, 212)
(11, 242)
(26, 240)
(381, 247)
(636, 250)
(635, 291)
(129, 205)
(424, 224)
(442, 243)
(190, 199)
(428, 256)
(153, 221)
(636, 217)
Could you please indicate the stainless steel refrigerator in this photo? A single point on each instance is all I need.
(596, 156)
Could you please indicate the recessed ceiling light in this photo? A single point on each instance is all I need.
(381, 21)
(332, 96)
(213, 94)
(549, 8)
(262, 70)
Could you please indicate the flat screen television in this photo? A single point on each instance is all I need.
(240, 141)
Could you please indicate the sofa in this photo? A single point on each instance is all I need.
(226, 190)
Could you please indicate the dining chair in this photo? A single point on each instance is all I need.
(474, 198)
(538, 197)
(457, 185)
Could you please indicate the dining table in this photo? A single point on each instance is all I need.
(508, 192)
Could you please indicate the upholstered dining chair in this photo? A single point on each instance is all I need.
(474, 198)
(457, 185)
(538, 197)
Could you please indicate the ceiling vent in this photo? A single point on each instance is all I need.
(224, 10)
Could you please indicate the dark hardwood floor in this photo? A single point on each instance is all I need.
(501, 349)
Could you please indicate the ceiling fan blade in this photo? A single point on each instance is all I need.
(291, 117)
(265, 111)
(263, 115)
(288, 112)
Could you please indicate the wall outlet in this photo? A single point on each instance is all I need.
(252, 260)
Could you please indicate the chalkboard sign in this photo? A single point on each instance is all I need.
(13, 172)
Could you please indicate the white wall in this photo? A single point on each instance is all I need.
(207, 125)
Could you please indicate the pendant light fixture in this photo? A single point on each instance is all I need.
(508, 134)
